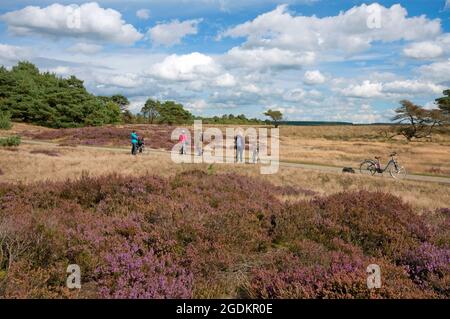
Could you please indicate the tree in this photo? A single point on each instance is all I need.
(48, 100)
(173, 113)
(121, 101)
(444, 105)
(150, 110)
(416, 121)
(276, 116)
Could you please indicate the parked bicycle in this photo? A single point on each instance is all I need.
(372, 167)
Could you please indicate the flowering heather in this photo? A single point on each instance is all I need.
(156, 136)
(196, 235)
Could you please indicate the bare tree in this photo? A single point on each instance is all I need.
(416, 122)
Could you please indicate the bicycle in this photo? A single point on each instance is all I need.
(372, 167)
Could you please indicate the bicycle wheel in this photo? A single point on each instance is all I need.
(397, 173)
(368, 168)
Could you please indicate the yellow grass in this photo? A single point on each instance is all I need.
(349, 145)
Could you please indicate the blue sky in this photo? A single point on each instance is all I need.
(336, 60)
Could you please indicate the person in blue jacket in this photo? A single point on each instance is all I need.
(134, 140)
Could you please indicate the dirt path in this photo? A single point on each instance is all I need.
(322, 168)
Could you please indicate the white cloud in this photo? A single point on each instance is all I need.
(171, 33)
(14, 53)
(438, 71)
(447, 4)
(143, 14)
(261, 58)
(295, 95)
(412, 87)
(314, 77)
(349, 31)
(61, 70)
(423, 50)
(225, 80)
(365, 90)
(85, 48)
(185, 67)
(88, 21)
(128, 80)
(196, 105)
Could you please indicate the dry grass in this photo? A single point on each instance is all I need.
(24, 167)
(349, 145)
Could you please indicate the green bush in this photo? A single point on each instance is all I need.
(5, 121)
(10, 141)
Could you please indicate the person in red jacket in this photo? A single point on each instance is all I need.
(183, 141)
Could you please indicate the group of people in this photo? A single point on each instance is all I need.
(137, 144)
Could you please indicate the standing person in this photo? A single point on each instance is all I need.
(183, 140)
(134, 140)
(239, 144)
(199, 143)
(255, 154)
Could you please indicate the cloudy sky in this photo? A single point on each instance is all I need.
(336, 60)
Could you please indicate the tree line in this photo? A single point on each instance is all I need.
(45, 99)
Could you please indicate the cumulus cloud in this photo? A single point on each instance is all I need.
(438, 71)
(88, 21)
(261, 58)
(225, 80)
(313, 77)
(85, 48)
(365, 90)
(412, 87)
(185, 67)
(14, 53)
(128, 80)
(423, 50)
(396, 88)
(143, 14)
(349, 31)
(172, 33)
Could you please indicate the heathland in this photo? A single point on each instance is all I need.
(144, 227)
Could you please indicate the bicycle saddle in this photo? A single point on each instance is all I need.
(393, 154)
(377, 157)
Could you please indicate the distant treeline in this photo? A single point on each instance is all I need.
(43, 98)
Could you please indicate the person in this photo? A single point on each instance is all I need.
(141, 144)
(183, 140)
(239, 145)
(255, 154)
(134, 140)
(199, 142)
(378, 164)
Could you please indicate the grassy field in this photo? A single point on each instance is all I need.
(326, 145)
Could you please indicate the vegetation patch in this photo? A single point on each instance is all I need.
(10, 141)
(213, 235)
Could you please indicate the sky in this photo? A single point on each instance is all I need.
(336, 60)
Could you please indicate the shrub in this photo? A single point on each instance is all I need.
(5, 121)
(220, 235)
(10, 141)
